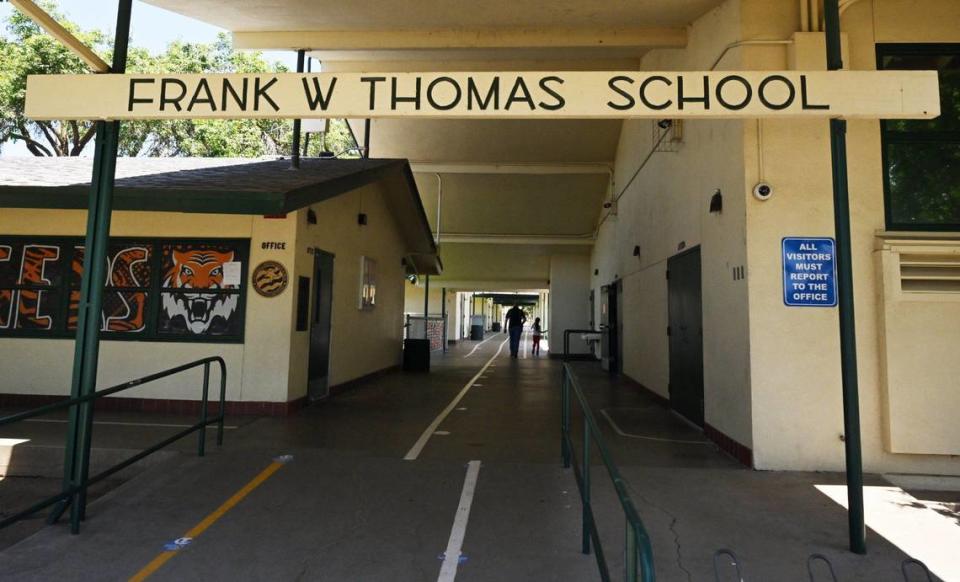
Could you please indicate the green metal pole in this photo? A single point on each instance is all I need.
(295, 145)
(848, 335)
(443, 315)
(565, 419)
(202, 444)
(87, 350)
(586, 488)
(630, 553)
(426, 306)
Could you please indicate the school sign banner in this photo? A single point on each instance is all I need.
(464, 95)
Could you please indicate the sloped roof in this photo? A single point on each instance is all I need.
(219, 186)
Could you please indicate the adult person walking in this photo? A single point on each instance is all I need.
(515, 319)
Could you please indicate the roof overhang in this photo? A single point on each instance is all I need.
(222, 186)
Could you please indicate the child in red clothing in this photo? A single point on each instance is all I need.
(537, 335)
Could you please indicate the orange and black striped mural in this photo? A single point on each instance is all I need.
(153, 287)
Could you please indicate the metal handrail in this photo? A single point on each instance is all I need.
(76, 490)
(638, 549)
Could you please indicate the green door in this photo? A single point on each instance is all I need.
(686, 335)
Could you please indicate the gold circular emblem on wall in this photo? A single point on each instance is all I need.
(270, 278)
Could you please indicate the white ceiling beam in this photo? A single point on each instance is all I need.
(386, 40)
(62, 35)
(489, 285)
(516, 239)
(488, 168)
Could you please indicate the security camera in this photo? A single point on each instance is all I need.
(763, 191)
(664, 123)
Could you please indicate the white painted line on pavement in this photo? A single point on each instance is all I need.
(451, 558)
(417, 447)
(616, 428)
(480, 344)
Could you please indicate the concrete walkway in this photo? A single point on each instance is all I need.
(345, 505)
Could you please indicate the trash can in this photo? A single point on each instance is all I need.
(416, 355)
(476, 332)
(495, 326)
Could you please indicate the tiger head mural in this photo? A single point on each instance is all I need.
(193, 271)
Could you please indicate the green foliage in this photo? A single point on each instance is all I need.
(25, 50)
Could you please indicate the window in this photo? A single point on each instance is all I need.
(368, 283)
(155, 289)
(921, 158)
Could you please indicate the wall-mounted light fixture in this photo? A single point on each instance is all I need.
(636, 251)
(716, 202)
(362, 219)
(311, 216)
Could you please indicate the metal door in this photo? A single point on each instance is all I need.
(609, 324)
(686, 334)
(318, 383)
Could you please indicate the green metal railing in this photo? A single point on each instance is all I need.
(75, 491)
(638, 552)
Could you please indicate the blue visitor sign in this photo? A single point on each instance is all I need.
(809, 272)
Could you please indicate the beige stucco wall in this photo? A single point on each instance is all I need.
(771, 373)
(569, 300)
(271, 364)
(795, 363)
(362, 342)
(41, 366)
(665, 210)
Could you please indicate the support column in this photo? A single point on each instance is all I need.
(93, 280)
(366, 138)
(295, 146)
(443, 315)
(848, 335)
(426, 296)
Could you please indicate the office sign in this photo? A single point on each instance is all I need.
(486, 95)
(809, 272)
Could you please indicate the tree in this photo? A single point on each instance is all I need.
(27, 50)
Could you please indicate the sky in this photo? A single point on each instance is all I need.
(150, 27)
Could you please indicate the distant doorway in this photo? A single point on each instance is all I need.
(321, 308)
(611, 352)
(684, 297)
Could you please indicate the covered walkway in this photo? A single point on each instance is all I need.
(347, 506)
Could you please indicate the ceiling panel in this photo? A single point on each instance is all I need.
(514, 204)
(270, 15)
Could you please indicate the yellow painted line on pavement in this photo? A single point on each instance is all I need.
(208, 521)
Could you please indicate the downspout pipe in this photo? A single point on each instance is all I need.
(439, 206)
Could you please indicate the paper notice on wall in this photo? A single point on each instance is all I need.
(231, 273)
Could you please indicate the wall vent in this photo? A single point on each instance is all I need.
(922, 273)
